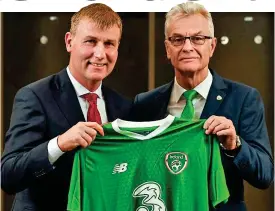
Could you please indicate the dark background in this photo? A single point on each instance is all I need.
(25, 59)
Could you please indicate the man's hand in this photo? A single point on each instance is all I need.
(224, 129)
(82, 134)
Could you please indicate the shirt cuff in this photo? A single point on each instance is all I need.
(54, 152)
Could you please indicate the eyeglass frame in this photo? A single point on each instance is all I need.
(190, 38)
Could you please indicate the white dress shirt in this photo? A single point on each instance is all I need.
(177, 101)
(54, 152)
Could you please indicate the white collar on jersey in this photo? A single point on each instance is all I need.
(162, 125)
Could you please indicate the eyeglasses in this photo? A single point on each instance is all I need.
(196, 40)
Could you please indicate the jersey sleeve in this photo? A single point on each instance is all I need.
(74, 197)
(217, 183)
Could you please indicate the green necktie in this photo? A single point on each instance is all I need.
(189, 111)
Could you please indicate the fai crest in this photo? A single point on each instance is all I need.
(176, 162)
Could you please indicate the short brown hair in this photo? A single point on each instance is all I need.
(102, 15)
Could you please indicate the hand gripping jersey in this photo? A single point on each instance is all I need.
(165, 165)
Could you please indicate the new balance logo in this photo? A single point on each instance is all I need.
(119, 168)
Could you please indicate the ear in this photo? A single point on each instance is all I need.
(213, 46)
(68, 41)
(167, 47)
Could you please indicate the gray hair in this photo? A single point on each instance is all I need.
(186, 9)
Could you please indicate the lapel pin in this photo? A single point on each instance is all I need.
(219, 97)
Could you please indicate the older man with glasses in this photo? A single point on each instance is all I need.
(232, 111)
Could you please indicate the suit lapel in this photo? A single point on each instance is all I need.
(66, 98)
(112, 109)
(163, 96)
(216, 95)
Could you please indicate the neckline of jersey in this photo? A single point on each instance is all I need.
(162, 124)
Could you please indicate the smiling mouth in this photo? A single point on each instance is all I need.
(96, 64)
(189, 58)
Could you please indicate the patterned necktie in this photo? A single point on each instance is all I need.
(93, 114)
(189, 111)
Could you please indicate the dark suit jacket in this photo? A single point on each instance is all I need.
(42, 111)
(243, 105)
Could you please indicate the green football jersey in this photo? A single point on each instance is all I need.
(165, 165)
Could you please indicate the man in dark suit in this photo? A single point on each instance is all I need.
(57, 115)
(233, 111)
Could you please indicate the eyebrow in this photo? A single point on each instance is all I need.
(109, 40)
(90, 37)
(95, 38)
(180, 35)
(198, 33)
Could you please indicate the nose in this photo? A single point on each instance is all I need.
(99, 51)
(187, 45)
